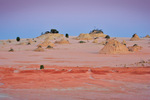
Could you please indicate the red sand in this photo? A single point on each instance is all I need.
(117, 82)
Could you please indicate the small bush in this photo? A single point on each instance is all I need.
(54, 31)
(125, 44)
(82, 42)
(28, 43)
(41, 66)
(67, 35)
(107, 37)
(135, 45)
(11, 50)
(18, 39)
(49, 47)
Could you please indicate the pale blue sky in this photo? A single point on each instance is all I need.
(117, 18)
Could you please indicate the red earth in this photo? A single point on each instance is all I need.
(55, 82)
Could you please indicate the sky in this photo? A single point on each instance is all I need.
(117, 18)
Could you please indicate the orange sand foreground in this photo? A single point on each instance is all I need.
(74, 72)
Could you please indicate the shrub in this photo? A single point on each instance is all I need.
(133, 35)
(67, 35)
(28, 43)
(41, 66)
(107, 37)
(97, 31)
(11, 50)
(135, 45)
(49, 47)
(18, 39)
(54, 31)
(82, 42)
(125, 44)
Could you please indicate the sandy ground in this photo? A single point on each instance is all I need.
(74, 72)
(73, 54)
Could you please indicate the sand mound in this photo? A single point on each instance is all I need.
(50, 36)
(135, 37)
(39, 49)
(134, 48)
(46, 43)
(84, 36)
(114, 47)
(95, 41)
(147, 36)
(62, 41)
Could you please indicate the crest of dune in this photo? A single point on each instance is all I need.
(135, 37)
(134, 48)
(62, 41)
(50, 36)
(39, 49)
(46, 43)
(114, 47)
(84, 36)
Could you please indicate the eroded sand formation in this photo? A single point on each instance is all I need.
(84, 36)
(62, 41)
(147, 36)
(135, 37)
(114, 47)
(51, 36)
(46, 43)
(134, 48)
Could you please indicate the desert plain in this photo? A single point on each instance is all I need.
(73, 71)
